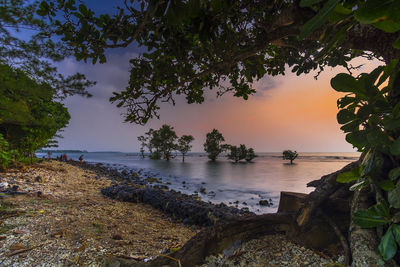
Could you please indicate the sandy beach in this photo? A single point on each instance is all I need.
(63, 219)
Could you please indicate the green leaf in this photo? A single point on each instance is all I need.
(386, 185)
(344, 82)
(378, 138)
(346, 177)
(388, 71)
(396, 43)
(392, 124)
(396, 232)
(342, 10)
(308, 3)
(395, 147)
(387, 25)
(394, 173)
(367, 219)
(351, 126)
(344, 116)
(344, 101)
(380, 209)
(319, 19)
(394, 197)
(387, 248)
(373, 11)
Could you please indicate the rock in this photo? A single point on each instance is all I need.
(264, 202)
(202, 190)
(188, 208)
(152, 180)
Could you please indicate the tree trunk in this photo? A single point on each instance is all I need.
(325, 187)
(364, 242)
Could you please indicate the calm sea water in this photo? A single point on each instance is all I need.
(241, 184)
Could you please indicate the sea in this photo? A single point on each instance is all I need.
(240, 184)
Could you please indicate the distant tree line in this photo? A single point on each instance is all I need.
(163, 142)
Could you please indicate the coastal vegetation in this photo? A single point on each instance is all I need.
(31, 89)
(162, 142)
(184, 145)
(241, 153)
(30, 117)
(213, 145)
(289, 155)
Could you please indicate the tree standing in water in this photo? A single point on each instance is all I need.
(213, 145)
(289, 155)
(184, 145)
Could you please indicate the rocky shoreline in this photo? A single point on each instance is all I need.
(130, 187)
(179, 206)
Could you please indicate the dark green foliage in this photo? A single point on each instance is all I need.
(34, 55)
(162, 142)
(239, 153)
(184, 145)
(29, 117)
(213, 145)
(6, 155)
(250, 155)
(289, 155)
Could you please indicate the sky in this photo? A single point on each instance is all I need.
(287, 112)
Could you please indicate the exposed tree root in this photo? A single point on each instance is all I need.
(343, 240)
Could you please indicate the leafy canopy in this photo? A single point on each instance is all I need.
(29, 117)
(196, 45)
(28, 43)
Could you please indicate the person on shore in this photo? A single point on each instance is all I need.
(49, 153)
(64, 157)
(81, 158)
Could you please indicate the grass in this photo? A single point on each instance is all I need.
(98, 228)
(5, 228)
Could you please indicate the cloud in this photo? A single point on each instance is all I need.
(111, 76)
(265, 84)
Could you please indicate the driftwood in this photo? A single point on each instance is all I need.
(325, 187)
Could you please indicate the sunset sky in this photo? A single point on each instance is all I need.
(287, 112)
